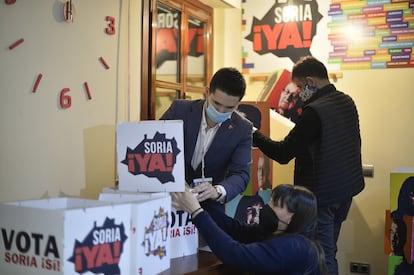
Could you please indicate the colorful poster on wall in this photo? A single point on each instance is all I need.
(344, 34)
(277, 33)
(261, 174)
(282, 95)
(371, 34)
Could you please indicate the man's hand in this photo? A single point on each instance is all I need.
(205, 191)
(283, 214)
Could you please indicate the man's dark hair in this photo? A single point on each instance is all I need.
(230, 81)
(309, 66)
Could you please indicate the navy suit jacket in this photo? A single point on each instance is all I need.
(228, 159)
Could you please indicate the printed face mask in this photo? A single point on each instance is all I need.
(216, 116)
(268, 219)
(307, 93)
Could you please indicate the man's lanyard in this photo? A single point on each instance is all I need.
(207, 139)
(204, 139)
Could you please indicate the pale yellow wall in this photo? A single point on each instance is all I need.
(227, 50)
(384, 100)
(49, 151)
(46, 150)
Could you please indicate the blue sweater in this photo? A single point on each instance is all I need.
(240, 246)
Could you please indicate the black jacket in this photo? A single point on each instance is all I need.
(326, 145)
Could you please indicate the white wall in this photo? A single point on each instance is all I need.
(48, 150)
(227, 50)
(383, 98)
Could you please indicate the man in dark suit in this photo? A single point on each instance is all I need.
(217, 139)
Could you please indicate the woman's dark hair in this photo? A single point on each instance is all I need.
(303, 204)
(230, 81)
(300, 201)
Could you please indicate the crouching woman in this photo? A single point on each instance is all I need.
(282, 243)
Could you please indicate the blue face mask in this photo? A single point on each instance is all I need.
(216, 116)
(307, 93)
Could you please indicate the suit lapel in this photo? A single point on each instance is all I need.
(193, 126)
(221, 136)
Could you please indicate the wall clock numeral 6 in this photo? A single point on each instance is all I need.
(65, 100)
(111, 25)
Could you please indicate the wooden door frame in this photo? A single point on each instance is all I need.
(148, 66)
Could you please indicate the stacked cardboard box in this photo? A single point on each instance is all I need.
(75, 236)
(151, 164)
(127, 231)
(182, 232)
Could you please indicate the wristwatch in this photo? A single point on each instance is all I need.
(218, 190)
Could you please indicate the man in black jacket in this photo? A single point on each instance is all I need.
(326, 145)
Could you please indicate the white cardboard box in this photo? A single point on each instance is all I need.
(76, 236)
(151, 156)
(183, 233)
(114, 194)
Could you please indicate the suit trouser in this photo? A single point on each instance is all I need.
(330, 220)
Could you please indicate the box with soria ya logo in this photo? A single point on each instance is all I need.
(77, 236)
